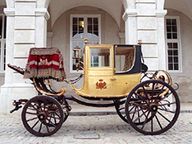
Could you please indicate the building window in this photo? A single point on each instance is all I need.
(2, 41)
(173, 44)
(84, 29)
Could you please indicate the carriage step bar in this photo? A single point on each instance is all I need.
(18, 104)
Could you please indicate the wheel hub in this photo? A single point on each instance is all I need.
(42, 116)
(153, 108)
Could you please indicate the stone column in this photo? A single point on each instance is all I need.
(161, 43)
(130, 18)
(26, 28)
(42, 16)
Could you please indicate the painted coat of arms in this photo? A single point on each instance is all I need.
(101, 84)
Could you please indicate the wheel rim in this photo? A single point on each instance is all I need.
(42, 116)
(152, 107)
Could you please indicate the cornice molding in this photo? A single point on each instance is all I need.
(42, 12)
(129, 13)
(161, 13)
(9, 12)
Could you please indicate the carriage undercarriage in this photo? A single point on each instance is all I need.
(151, 106)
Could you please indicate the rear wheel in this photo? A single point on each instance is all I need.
(120, 109)
(152, 107)
(42, 116)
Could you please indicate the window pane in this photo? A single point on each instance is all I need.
(170, 67)
(174, 28)
(100, 57)
(168, 28)
(169, 45)
(176, 59)
(175, 53)
(174, 35)
(95, 21)
(124, 58)
(5, 25)
(176, 67)
(74, 21)
(170, 60)
(168, 21)
(169, 36)
(174, 22)
(175, 45)
(170, 53)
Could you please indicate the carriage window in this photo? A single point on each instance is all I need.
(124, 58)
(100, 57)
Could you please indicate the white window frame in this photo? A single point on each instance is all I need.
(85, 16)
(178, 41)
(2, 44)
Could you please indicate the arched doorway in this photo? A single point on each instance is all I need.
(80, 24)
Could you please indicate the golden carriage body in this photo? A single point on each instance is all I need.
(114, 74)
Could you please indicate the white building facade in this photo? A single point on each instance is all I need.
(163, 26)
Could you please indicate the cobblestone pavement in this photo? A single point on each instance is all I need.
(108, 129)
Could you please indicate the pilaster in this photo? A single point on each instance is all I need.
(144, 20)
(26, 28)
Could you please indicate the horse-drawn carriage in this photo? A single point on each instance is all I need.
(113, 75)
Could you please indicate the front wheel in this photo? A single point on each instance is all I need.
(152, 107)
(42, 116)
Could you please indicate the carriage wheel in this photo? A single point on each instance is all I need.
(120, 108)
(66, 108)
(42, 116)
(152, 107)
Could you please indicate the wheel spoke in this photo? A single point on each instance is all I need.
(54, 118)
(145, 120)
(144, 90)
(57, 114)
(163, 116)
(151, 124)
(167, 95)
(121, 108)
(52, 124)
(166, 110)
(47, 129)
(144, 113)
(158, 122)
(40, 127)
(33, 106)
(35, 124)
(32, 119)
(139, 116)
(133, 113)
(132, 108)
(167, 104)
(31, 113)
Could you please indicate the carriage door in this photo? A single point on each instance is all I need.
(84, 29)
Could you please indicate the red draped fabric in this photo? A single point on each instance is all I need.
(45, 63)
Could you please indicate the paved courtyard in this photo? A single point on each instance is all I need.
(95, 129)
